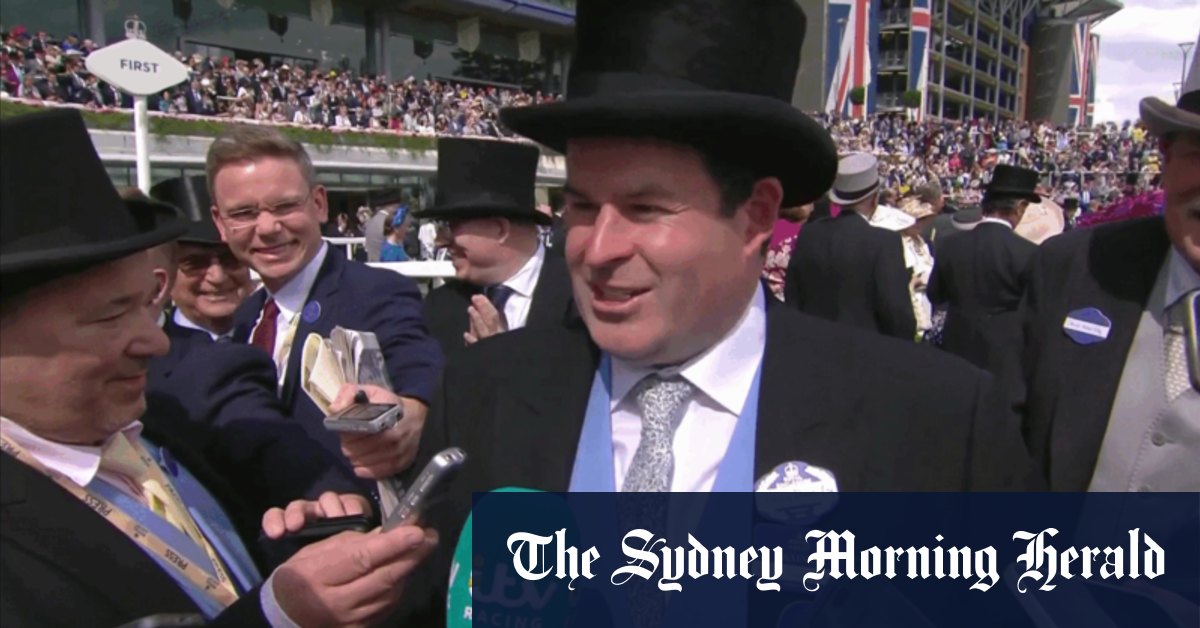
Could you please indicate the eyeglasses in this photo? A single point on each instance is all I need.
(200, 262)
(246, 217)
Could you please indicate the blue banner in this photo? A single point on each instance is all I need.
(830, 559)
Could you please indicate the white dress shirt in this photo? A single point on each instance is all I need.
(81, 464)
(183, 321)
(291, 299)
(722, 375)
(523, 283)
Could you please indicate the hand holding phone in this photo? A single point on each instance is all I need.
(437, 473)
(365, 418)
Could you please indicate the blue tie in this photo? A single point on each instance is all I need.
(498, 294)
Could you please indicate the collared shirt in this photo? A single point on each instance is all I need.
(523, 283)
(1181, 278)
(81, 464)
(183, 321)
(722, 375)
(291, 298)
(997, 221)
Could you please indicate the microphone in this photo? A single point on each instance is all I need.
(508, 600)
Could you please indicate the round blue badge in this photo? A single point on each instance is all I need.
(1087, 326)
(311, 312)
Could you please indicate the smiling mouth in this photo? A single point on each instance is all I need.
(615, 295)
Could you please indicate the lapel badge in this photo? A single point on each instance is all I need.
(311, 312)
(817, 488)
(1087, 326)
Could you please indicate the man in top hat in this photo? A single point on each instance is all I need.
(269, 209)
(1110, 333)
(847, 270)
(505, 278)
(979, 276)
(100, 523)
(681, 377)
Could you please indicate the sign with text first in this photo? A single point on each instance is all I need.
(137, 66)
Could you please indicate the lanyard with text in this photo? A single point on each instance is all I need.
(219, 588)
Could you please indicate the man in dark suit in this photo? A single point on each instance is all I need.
(681, 377)
(979, 276)
(269, 209)
(1111, 364)
(847, 271)
(505, 278)
(99, 523)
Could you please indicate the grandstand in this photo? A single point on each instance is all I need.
(955, 59)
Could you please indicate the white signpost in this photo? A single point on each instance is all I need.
(139, 68)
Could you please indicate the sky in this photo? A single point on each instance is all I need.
(1140, 56)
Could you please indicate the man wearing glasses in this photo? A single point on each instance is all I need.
(487, 219)
(269, 208)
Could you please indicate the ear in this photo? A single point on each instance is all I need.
(321, 201)
(762, 210)
(216, 218)
(503, 229)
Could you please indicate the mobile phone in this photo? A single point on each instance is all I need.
(322, 528)
(365, 418)
(440, 470)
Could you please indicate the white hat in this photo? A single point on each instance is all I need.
(892, 219)
(857, 178)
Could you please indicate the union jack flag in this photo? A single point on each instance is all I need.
(1081, 105)
(850, 29)
(920, 22)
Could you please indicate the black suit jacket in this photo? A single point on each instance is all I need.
(553, 304)
(881, 414)
(1070, 388)
(979, 277)
(220, 399)
(64, 565)
(360, 298)
(845, 270)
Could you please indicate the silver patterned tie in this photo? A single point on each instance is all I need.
(662, 402)
(1175, 339)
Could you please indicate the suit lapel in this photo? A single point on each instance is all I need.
(247, 314)
(541, 415)
(794, 404)
(323, 292)
(1123, 266)
(50, 523)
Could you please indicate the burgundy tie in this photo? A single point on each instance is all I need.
(264, 333)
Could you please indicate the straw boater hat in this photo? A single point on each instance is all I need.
(1162, 119)
(716, 75)
(62, 219)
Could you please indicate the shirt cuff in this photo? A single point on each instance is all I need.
(270, 607)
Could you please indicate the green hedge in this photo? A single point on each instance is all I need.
(123, 121)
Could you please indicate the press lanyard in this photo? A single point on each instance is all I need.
(219, 588)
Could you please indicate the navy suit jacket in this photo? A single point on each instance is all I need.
(360, 298)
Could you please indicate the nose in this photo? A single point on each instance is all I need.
(149, 341)
(266, 222)
(606, 240)
(216, 274)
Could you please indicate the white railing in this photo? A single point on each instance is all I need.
(418, 270)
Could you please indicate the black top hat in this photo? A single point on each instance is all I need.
(190, 195)
(68, 215)
(717, 75)
(478, 178)
(1013, 181)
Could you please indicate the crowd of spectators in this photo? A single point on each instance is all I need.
(1093, 164)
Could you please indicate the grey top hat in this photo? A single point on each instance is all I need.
(857, 178)
(1162, 119)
